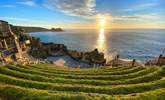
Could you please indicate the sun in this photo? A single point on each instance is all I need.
(104, 20)
(102, 23)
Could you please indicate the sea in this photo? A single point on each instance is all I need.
(140, 44)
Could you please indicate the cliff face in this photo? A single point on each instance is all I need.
(39, 29)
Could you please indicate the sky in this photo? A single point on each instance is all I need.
(84, 14)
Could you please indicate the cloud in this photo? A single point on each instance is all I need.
(28, 3)
(142, 6)
(126, 17)
(7, 6)
(142, 17)
(73, 7)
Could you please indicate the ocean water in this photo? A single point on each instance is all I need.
(141, 44)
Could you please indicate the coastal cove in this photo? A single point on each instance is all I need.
(140, 44)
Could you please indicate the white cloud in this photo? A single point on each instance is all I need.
(73, 7)
(28, 3)
(7, 6)
(126, 18)
(142, 17)
(141, 6)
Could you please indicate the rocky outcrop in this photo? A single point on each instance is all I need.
(56, 29)
(93, 57)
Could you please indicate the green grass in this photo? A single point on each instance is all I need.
(100, 77)
(102, 72)
(84, 81)
(48, 82)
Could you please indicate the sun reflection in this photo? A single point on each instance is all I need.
(101, 36)
(101, 40)
(101, 44)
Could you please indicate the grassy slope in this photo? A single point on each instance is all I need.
(47, 82)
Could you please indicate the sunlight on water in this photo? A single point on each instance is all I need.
(101, 43)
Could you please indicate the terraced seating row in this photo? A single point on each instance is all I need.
(84, 81)
(122, 72)
(119, 89)
(63, 76)
(103, 77)
(10, 92)
(123, 89)
(76, 71)
(110, 71)
(34, 82)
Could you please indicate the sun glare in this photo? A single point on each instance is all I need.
(104, 20)
(101, 40)
(102, 23)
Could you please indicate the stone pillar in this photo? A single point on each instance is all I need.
(133, 63)
(16, 43)
(159, 60)
(117, 60)
(6, 46)
(1, 45)
(83, 56)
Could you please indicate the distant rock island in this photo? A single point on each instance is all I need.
(39, 29)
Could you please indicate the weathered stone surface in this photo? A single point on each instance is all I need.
(12, 40)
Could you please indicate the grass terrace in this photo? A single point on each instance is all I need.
(48, 82)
